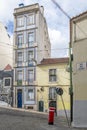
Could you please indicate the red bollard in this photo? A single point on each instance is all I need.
(51, 116)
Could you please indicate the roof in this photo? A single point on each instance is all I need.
(8, 67)
(54, 61)
(4, 74)
(76, 19)
(80, 15)
(26, 8)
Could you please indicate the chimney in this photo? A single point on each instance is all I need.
(42, 9)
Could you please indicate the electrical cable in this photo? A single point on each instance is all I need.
(67, 16)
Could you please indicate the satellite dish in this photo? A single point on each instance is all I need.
(59, 91)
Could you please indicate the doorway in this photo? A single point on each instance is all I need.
(19, 98)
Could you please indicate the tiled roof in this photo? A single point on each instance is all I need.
(8, 67)
(54, 61)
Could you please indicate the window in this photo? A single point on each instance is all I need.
(30, 19)
(30, 58)
(30, 94)
(52, 93)
(30, 55)
(30, 75)
(20, 40)
(20, 58)
(20, 21)
(31, 38)
(7, 82)
(52, 75)
(19, 75)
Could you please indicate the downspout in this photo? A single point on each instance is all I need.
(71, 86)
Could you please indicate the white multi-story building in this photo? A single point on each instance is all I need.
(32, 44)
(6, 48)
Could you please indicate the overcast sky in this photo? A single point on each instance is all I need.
(58, 23)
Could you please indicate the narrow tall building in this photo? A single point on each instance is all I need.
(32, 44)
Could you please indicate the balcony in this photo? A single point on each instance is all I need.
(19, 82)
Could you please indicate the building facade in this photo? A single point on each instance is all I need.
(6, 48)
(78, 42)
(6, 85)
(32, 44)
(52, 74)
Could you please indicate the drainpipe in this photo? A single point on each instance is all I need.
(71, 86)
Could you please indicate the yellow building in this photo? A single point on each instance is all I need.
(52, 74)
(78, 42)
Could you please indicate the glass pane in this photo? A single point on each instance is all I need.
(52, 78)
(19, 75)
(20, 40)
(52, 93)
(7, 82)
(19, 56)
(30, 75)
(20, 21)
(30, 55)
(30, 94)
(31, 38)
(31, 19)
(52, 71)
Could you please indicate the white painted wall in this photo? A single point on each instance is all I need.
(5, 48)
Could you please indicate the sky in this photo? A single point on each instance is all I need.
(57, 22)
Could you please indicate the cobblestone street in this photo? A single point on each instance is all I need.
(11, 119)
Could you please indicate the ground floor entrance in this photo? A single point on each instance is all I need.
(19, 98)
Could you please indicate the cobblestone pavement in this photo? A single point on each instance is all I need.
(12, 119)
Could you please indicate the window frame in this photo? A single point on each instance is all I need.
(20, 21)
(19, 60)
(30, 80)
(21, 75)
(30, 57)
(20, 40)
(52, 93)
(10, 81)
(31, 19)
(31, 42)
(32, 95)
(52, 77)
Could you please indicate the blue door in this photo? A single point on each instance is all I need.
(19, 98)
